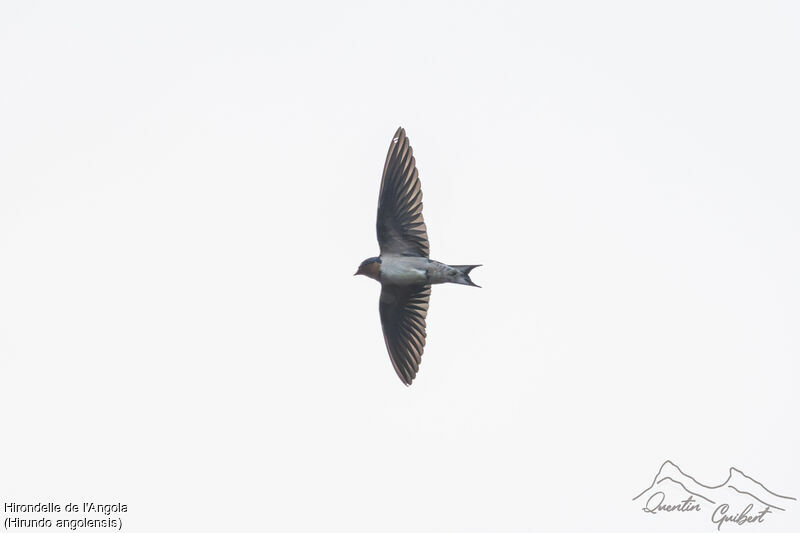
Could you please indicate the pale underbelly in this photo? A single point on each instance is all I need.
(404, 272)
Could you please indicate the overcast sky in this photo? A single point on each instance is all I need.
(186, 189)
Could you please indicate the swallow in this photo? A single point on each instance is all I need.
(403, 267)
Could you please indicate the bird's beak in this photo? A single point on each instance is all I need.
(357, 273)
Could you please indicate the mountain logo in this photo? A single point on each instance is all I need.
(739, 500)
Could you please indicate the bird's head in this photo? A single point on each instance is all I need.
(370, 267)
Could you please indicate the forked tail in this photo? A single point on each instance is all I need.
(463, 274)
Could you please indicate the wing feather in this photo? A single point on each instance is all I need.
(403, 311)
(401, 227)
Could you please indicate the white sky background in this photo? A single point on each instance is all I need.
(187, 188)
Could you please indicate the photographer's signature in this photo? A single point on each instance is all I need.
(739, 500)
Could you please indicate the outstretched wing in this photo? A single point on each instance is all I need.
(401, 228)
(403, 311)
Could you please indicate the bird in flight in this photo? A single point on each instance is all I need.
(403, 268)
